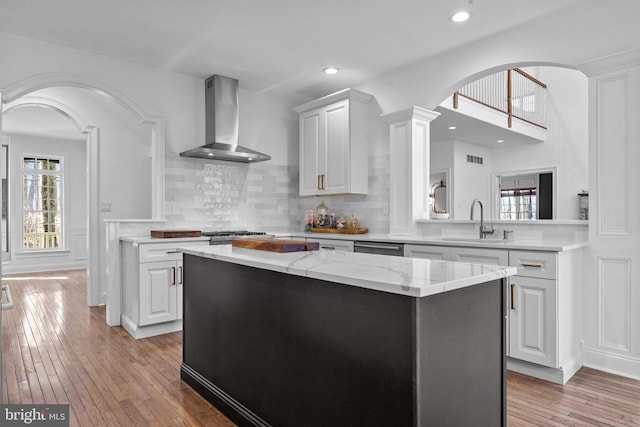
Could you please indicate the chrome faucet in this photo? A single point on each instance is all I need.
(483, 231)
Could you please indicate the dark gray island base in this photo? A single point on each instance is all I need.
(270, 348)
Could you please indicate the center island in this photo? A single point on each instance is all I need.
(328, 338)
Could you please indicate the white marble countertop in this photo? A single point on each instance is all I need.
(529, 245)
(404, 276)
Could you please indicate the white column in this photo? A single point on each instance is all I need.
(409, 167)
(93, 219)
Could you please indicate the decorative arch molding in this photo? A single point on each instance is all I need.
(30, 101)
(156, 121)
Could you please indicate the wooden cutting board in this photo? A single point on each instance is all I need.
(340, 230)
(275, 245)
(167, 234)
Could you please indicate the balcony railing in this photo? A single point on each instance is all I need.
(513, 92)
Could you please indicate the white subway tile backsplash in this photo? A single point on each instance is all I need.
(214, 194)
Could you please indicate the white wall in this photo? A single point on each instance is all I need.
(471, 180)
(74, 252)
(567, 144)
(468, 181)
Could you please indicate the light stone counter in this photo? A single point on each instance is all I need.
(489, 243)
(404, 276)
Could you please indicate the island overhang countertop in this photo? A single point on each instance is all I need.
(413, 277)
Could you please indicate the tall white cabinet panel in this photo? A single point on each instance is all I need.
(333, 145)
(612, 266)
(532, 321)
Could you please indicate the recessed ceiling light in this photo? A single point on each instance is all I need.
(330, 70)
(460, 16)
(500, 141)
(209, 154)
(452, 127)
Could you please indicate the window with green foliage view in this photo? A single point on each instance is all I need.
(42, 203)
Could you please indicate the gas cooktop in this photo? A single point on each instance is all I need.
(221, 237)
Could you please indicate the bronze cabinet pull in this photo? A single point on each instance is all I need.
(530, 265)
(513, 302)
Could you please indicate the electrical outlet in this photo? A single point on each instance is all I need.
(280, 210)
(105, 206)
(385, 209)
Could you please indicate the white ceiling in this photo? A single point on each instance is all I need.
(474, 131)
(277, 46)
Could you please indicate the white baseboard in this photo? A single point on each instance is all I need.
(613, 363)
(37, 267)
(139, 332)
(555, 375)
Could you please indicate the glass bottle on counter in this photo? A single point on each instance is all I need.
(322, 215)
(341, 220)
(352, 222)
(309, 216)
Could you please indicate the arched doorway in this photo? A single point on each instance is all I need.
(22, 94)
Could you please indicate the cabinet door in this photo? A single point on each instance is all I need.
(480, 256)
(428, 252)
(158, 292)
(532, 320)
(310, 149)
(335, 179)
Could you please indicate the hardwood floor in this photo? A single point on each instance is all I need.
(58, 350)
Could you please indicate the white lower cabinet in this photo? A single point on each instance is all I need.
(542, 304)
(160, 292)
(152, 281)
(532, 320)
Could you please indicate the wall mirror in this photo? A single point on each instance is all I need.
(524, 195)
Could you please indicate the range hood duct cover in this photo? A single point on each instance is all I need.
(221, 118)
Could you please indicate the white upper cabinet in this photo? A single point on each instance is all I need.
(333, 145)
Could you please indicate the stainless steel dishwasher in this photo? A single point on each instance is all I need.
(381, 248)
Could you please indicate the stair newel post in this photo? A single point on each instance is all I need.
(509, 103)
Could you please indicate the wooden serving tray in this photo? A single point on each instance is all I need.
(168, 234)
(340, 230)
(275, 245)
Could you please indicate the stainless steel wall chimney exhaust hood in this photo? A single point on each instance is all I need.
(221, 118)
